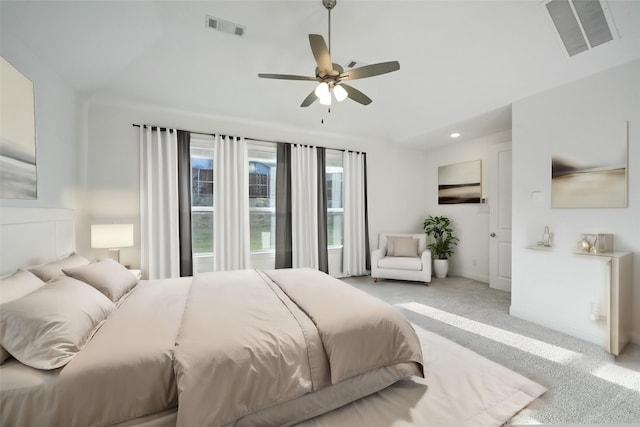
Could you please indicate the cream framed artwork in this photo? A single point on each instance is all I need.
(18, 172)
(596, 179)
(460, 183)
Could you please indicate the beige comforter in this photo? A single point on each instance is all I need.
(233, 348)
(253, 340)
(124, 372)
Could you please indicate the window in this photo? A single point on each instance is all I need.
(262, 196)
(202, 208)
(335, 205)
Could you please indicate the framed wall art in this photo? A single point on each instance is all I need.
(460, 183)
(591, 179)
(18, 172)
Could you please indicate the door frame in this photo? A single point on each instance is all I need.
(500, 225)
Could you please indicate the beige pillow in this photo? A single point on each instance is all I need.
(406, 248)
(47, 327)
(107, 276)
(13, 287)
(53, 269)
(391, 244)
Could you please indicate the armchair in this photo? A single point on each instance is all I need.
(400, 257)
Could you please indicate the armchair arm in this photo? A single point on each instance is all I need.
(376, 255)
(426, 256)
(426, 263)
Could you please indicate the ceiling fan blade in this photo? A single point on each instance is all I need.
(320, 53)
(370, 70)
(309, 99)
(286, 77)
(356, 95)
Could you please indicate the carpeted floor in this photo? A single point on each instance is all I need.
(586, 384)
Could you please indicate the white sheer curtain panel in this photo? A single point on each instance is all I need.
(159, 235)
(304, 206)
(354, 252)
(231, 204)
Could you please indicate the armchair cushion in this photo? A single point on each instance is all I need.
(401, 263)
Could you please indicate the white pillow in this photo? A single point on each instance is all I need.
(108, 276)
(47, 327)
(53, 269)
(13, 287)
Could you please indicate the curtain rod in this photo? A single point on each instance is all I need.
(164, 129)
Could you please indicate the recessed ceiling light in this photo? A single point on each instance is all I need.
(455, 134)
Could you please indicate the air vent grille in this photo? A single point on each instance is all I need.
(581, 24)
(225, 26)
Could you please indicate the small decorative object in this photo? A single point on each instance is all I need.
(587, 243)
(583, 244)
(546, 236)
(439, 227)
(604, 243)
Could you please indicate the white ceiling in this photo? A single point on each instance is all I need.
(462, 62)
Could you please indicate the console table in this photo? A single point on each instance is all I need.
(619, 297)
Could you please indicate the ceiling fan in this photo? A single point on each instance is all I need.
(331, 77)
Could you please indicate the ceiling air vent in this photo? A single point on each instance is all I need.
(225, 26)
(581, 24)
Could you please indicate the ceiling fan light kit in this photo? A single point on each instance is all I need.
(330, 76)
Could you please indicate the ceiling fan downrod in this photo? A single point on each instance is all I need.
(329, 4)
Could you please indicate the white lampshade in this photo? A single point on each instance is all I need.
(322, 90)
(340, 93)
(323, 93)
(111, 236)
(326, 100)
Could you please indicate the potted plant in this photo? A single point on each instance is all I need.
(439, 227)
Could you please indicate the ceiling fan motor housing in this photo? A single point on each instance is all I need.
(329, 4)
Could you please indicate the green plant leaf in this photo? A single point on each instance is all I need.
(439, 227)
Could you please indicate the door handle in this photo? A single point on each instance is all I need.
(492, 234)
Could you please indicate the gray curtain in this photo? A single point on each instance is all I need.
(184, 203)
(323, 254)
(366, 218)
(284, 258)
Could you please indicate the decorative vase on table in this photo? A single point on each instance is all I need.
(439, 227)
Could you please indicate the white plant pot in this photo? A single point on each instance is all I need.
(441, 268)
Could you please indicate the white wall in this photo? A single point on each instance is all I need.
(470, 221)
(587, 115)
(395, 176)
(57, 114)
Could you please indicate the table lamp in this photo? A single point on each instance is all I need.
(112, 237)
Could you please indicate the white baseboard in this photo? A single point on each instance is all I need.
(473, 276)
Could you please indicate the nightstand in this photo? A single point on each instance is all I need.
(136, 273)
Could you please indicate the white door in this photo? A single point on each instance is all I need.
(500, 217)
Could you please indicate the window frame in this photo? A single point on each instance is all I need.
(202, 143)
(334, 159)
(269, 148)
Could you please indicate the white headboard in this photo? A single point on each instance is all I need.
(31, 236)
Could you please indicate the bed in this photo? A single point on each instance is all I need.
(243, 348)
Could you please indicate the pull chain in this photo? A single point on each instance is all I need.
(328, 112)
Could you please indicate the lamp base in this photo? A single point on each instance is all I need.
(114, 254)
